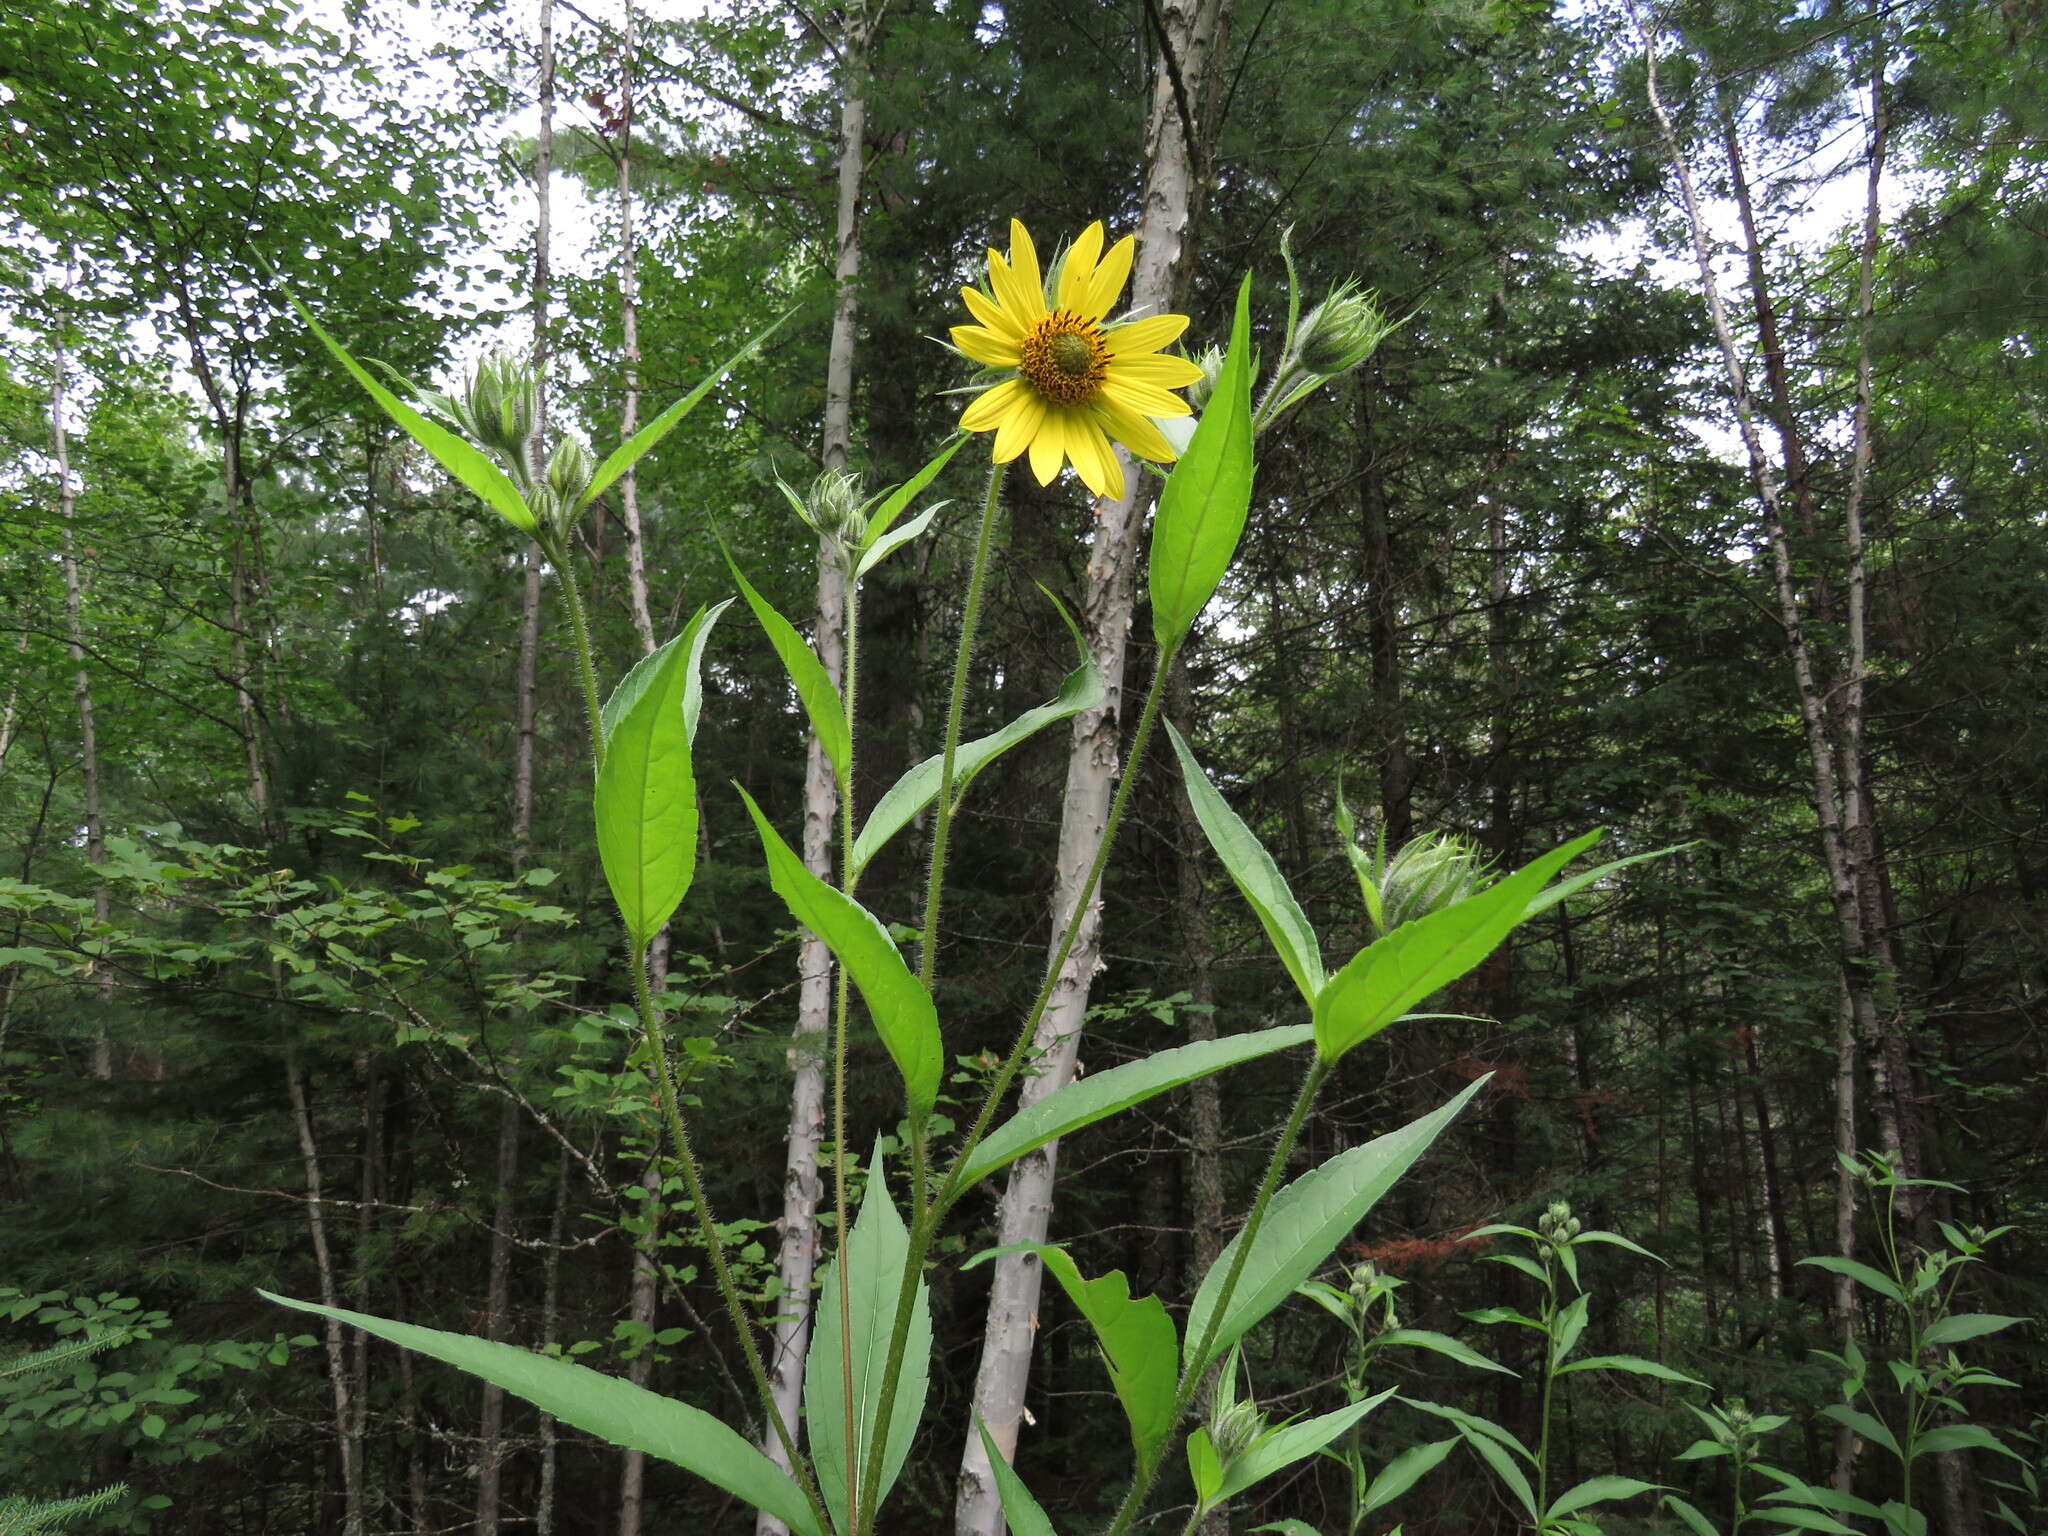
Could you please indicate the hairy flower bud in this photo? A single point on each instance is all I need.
(1234, 1429)
(500, 408)
(1426, 876)
(570, 471)
(1341, 332)
(1558, 1224)
(1211, 364)
(833, 507)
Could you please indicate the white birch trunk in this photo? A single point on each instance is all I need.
(1108, 595)
(802, 1185)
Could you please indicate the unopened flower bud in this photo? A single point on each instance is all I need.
(1558, 1224)
(834, 508)
(570, 471)
(1234, 1430)
(1211, 364)
(501, 407)
(1341, 332)
(1426, 876)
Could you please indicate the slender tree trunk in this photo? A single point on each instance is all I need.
(370, 1191)
(346, 1444)
(1777, 1233)
(497, 1323)
(629, 345)
(1829, 717)
(802, 1186)
(640, 1308)
(1190, 29)
(81, 683)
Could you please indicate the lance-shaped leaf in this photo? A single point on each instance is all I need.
(1137, 1339)
(1281, 1448)
(1405, 1471)
(645, 799)
(630, 452)
(617, 1411)
(1303, 1223)
(1633, 1365)
(464, 461)
(693, 639)
(874, 1256)
(1389, 976)
(1255, 874)
(1596, 1490)
(814, 686)
(1102, 1094)
(897, 1001)
(1083, 689)
(1544, 900)
(1203, 505)
(1021, 1512)
(882, 535)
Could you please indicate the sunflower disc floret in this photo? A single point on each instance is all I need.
(1079, 382)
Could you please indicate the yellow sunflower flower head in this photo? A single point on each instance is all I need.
(1079, 382)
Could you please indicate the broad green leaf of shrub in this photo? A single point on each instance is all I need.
(645, 800)
(897, 1001)
(617, 1411)
(1303, 1224)
(1257, 877)
(1138, 1343)
(1203, 505)
(874, 1255)
(1394, 973)
(1102, 1094)
(634, 683)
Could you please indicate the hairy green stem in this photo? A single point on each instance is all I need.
(579, 627)
(956, 700)
(1191, 1379)
(665, 1090)
(1148, 717)
(841, 1003)
(1549, 1382)
(926, 1214)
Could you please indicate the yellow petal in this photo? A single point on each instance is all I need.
(1049, 447)
(1147, 335)
(1134, 431)
(1109, 277)
(991, 314)
(986, 346)
(988, 410)
(1024, 261)
(1160, 368)
(1095, 459)
(1145, 399)
(1024, 306)
(1079, 269)
(1020, 425)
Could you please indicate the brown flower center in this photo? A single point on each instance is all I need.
(1064, 359)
